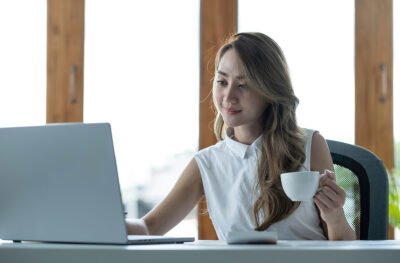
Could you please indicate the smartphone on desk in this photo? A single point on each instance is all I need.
(251, 237)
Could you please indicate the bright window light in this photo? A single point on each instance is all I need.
(319, 48)
(23, 27)
(142, 76)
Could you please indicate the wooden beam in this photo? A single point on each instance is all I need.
(65, 45)
(218, 20)
(374, 78)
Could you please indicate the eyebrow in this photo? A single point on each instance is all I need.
(226, 75)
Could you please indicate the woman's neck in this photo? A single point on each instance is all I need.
(247, 135)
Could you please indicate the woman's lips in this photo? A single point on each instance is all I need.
(232, 111)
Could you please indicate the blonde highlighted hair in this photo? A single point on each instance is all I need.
(282, 141)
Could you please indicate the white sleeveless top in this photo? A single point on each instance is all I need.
(228, 171)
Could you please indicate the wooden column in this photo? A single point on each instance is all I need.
(374, 78)
(218, 20)
(65, 44)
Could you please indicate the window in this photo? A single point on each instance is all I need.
(319, 49)
(396, 93)
(396, 81)
(144, 81)
(23, 63)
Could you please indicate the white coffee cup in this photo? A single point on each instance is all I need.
(300, 186)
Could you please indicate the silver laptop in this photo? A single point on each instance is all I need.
(59, 183)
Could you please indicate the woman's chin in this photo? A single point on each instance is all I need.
(232, 124)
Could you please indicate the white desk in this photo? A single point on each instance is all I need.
(207, 251)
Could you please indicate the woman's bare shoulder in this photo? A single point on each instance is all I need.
(320, 155)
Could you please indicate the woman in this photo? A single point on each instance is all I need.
(259, 140)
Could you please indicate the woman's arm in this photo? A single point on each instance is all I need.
(331, 198)
(180, 201)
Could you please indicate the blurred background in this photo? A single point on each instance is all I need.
(142, 76)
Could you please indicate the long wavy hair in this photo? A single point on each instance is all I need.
(282, 140)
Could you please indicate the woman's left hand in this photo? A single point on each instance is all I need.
(330, 199)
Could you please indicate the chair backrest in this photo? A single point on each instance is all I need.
(362, 174)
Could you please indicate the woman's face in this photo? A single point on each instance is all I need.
(238, 104)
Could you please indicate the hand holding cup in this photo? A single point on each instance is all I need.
(330, 198)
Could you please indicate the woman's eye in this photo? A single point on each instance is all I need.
(222, 82)
(242, 86)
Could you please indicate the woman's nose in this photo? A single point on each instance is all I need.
(230, 94)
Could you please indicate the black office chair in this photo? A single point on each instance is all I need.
(362, 174)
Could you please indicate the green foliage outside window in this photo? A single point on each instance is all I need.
(394, 208)
(394, 190)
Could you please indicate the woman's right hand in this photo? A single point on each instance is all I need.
(136, 227)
